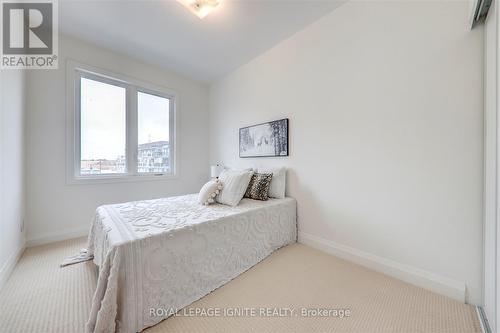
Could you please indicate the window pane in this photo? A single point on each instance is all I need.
(103, 128)
(153, 153)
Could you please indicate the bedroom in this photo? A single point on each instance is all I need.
(370, 126)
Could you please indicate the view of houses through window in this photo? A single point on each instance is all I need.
(152, 157)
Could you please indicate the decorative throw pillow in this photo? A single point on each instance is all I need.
(234, 183)
(278, 183)
(209, 191)
(258, 188)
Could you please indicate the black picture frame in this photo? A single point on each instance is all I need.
(276, 142)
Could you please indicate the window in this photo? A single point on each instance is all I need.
(153, 150)
(103, 113)
(121, 129)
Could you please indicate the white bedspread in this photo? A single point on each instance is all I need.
(168, 253)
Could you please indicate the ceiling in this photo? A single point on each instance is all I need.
(166, 34)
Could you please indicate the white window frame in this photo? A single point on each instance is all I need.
(74, 72)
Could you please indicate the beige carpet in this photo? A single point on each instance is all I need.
(41, 297)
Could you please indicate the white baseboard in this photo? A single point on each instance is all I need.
(421, 278)
(52, 237)
(8, 267)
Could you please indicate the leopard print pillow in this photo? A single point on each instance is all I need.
(258, 188)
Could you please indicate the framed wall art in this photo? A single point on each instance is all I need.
(265, 140)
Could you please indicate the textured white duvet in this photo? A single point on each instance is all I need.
(168, 253)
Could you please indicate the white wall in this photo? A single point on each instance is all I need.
(12, 132)
(386, 129)
(491, 166)
(57, 210)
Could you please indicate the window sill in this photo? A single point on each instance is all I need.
(110, 179)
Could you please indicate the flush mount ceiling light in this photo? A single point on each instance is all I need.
(200, 8)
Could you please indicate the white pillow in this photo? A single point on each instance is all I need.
(278, 182)
(209, 191)
(234, 185)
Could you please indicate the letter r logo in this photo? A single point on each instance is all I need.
(27, 28)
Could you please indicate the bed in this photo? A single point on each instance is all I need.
(167, 253)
